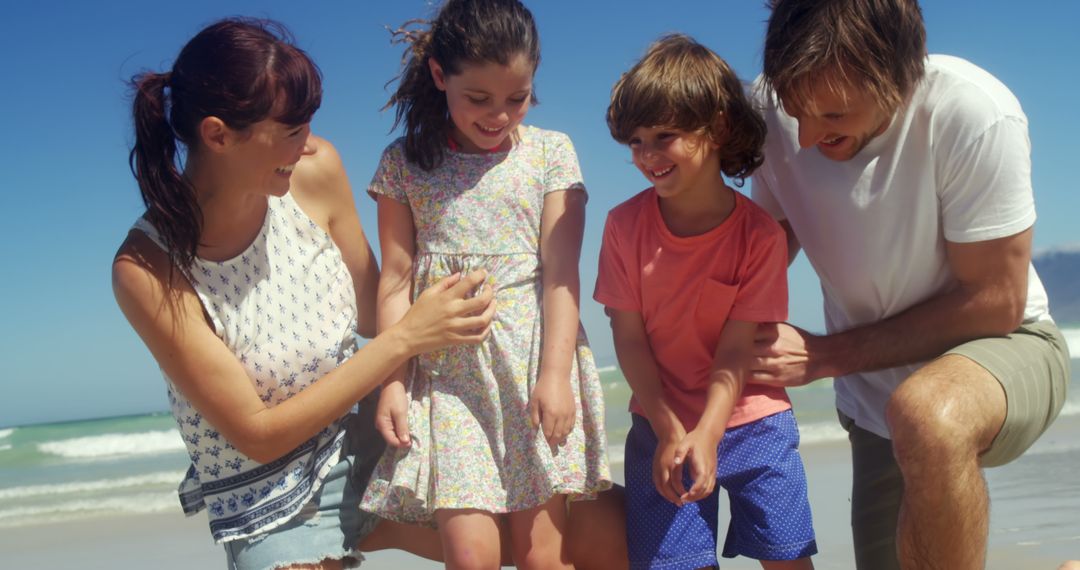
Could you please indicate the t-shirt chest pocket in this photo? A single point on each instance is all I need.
(713, 307)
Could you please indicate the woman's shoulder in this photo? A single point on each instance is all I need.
(320, 185)
(144, 278)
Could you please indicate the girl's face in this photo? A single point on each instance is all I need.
(674, 161)
(487, 101)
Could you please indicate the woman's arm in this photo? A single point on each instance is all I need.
(551, 404)
(172, 324)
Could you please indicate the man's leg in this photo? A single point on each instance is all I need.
(981, 404)
(941, 418)
(876, 490)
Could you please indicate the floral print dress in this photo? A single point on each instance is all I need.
(472, 443)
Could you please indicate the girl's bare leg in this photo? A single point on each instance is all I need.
(470, 539)
(537, 536)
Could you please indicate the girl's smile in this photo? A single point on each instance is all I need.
(486, 101)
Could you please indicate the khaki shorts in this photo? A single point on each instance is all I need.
(1032, 365)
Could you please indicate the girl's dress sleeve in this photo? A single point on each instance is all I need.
(561, 169)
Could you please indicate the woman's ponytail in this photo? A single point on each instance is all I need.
(169, 198)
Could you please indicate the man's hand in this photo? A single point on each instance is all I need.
(783, 357)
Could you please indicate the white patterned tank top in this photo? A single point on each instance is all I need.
(286, 308)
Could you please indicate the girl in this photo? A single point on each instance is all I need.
(514, 426)
(247, 278)
(687, 269)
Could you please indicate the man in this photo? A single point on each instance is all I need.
(906, 179)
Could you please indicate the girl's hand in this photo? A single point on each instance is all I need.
(698, 452)
(392, 415)
(551, 407)
(449, 312)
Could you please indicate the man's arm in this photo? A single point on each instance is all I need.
(988, 299)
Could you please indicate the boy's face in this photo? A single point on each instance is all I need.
(839, 122)
(674, 160)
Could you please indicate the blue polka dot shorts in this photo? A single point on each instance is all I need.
(759, 466)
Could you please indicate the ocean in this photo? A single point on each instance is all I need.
(129, 465)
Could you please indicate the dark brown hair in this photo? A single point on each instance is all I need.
(238, 70)
(683, 85)
(464, 32)
(877, 45)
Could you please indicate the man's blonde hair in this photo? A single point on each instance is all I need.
(875, 45)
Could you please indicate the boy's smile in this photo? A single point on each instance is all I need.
(675, 161)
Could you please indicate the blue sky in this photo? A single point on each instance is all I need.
(69, 197)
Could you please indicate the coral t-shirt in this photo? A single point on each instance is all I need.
(686, 288)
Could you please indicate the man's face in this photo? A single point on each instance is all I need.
(840, 122)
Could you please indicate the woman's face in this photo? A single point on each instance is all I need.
(268, 153)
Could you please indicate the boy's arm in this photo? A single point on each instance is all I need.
(642, 374)
(551, 404)
(729, 372)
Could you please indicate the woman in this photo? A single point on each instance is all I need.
(247, 277)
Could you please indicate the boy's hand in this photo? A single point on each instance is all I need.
(392, 415)
(697, 451)
(551, 407)
(667, 473)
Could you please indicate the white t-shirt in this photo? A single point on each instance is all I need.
(954, 164)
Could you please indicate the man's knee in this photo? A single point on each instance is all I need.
(948, 411)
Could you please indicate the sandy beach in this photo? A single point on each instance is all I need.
(1034, 521)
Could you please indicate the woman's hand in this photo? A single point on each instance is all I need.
(449, 313)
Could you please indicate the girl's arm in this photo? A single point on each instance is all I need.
(638, 365)
(322, 189)
(551, 404)
(172, 324)
(731, 365)
(397, 241)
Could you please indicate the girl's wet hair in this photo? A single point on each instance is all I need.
(683, 85)
(465, 32)
(239, 70)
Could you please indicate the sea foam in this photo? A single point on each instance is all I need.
(114, 445)
(821, 432)
(140, 503)
(159, 478)
(6, 432)
(1072, 338)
